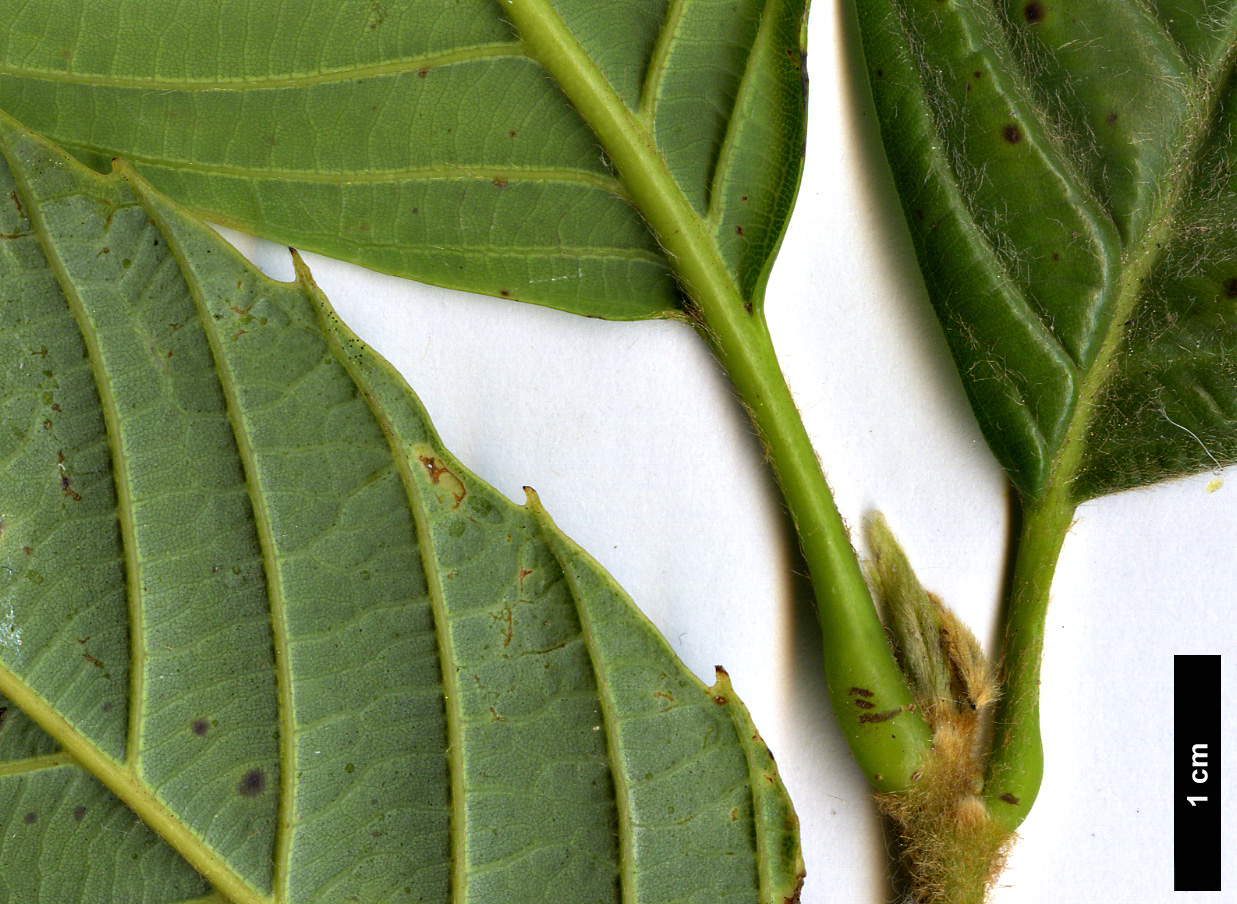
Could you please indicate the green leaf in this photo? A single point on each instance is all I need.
(427, 140)
(250, 600)
(1066, 170)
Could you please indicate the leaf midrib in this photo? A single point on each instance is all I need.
(1138, 263)
(642, 168)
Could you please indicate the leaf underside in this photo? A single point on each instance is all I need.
(1068, 174)
(422, 140)
(253, 604)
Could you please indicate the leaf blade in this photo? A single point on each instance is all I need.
(1129, 162)
(416, 143)
(310, 747)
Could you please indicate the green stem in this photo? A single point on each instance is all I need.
(867, 689)
(869, 694)
(1016, 766)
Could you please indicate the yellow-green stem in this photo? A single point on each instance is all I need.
(867, 689)
(1016, 766)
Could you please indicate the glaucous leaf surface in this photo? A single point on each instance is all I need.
(1066, 169)
(260, 633)
(425, 139)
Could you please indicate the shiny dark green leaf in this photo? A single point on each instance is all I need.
(1067, 173)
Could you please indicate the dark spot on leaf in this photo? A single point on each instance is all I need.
(1033, 12)
(107, 707)
(1112, 118)
(66, 54)
(864, 704)
(4, 710)
(861, 691)
(720, 700)
(1012, 133)
(500, 183)
(252, 783)
(78, 813)
(880, 73)
(511, 134)
(738, 230)
(200, 727)
(1010, 799)
(977, 74)
(1230, 287)
(421, 73)
(505, 293)
(67, 488)
(30, 818)
(1056, 256)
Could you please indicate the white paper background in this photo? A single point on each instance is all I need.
(631, 436)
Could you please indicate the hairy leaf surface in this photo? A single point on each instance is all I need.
(1067, 171)
(426, 139)
(277, 641)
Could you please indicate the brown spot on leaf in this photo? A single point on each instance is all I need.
(1010, 799)
(66, 487)
(500, 183)
(1112, 118)
(30, 818)
(79, 812)
(1230, 287)
(720, 700)
(442, 477)
(1033, 12)
(861, 691)
(200, 727)
(252, 783)
(738, 230)
(864, 704)
(1011, 133)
